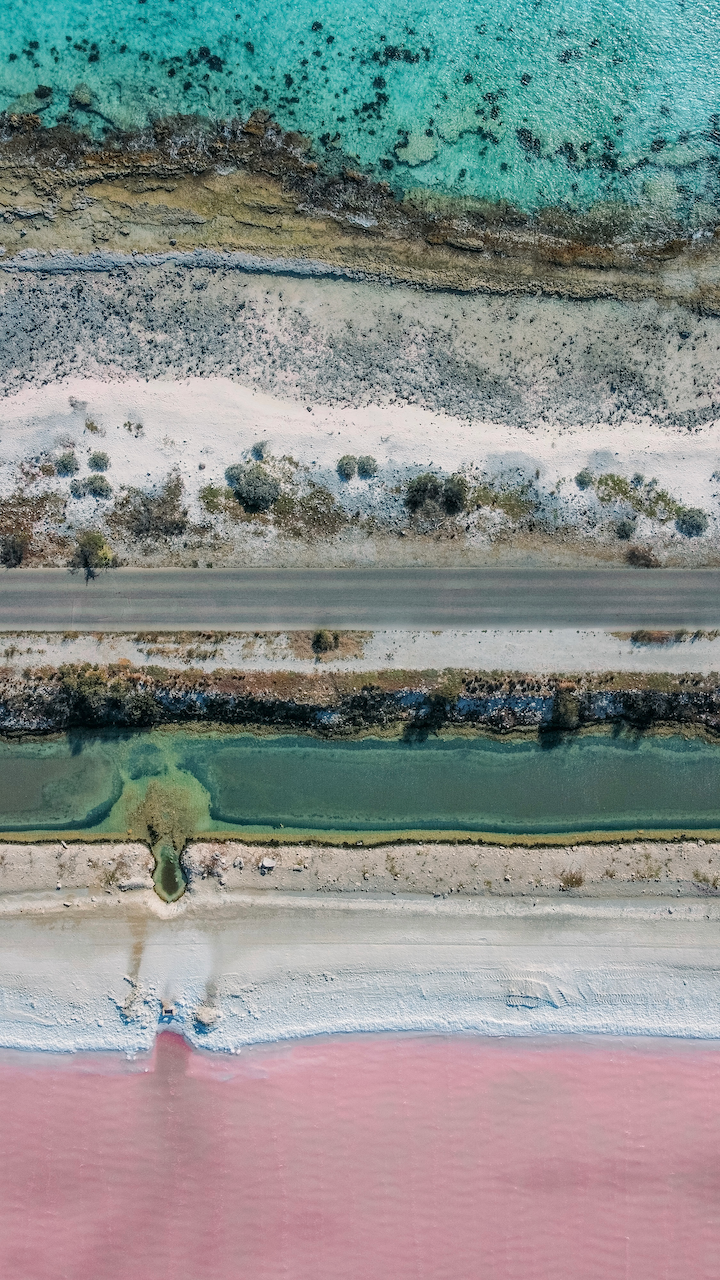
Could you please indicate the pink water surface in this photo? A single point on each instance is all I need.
(400, 1158)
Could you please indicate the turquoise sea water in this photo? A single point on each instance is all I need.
(284, 785)
(537, 102)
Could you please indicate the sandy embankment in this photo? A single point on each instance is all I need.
(638, 868)
(633, 868)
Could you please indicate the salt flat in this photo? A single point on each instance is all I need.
(109, 975)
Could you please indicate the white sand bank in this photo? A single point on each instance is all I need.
(214, 420)
(257, 969)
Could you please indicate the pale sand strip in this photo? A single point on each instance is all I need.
(558, 651)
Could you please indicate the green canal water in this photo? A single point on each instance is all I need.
(167, 786)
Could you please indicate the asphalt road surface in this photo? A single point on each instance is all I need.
(280, 599)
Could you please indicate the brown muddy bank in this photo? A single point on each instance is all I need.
(333, 704)
(232, 186)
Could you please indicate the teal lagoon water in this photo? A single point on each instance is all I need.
(532, 102)
(284, 786)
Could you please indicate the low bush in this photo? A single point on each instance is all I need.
(367, 467)
(98, 461)
(153, 515)
(625, 529)
(91, 487)
(642, 558)
(13, 549)
(584, 478)
(347, 466)
(516, 499)
(428, 491)
(691, 522)
(211, 497)
(253, 486)
(67, 464)
(642, 496)
(455, 493)
(259, 450)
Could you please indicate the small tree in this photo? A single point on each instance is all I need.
(67, 464)
(13, 548)
(91, 553)
(455, 493)
(367, 467)
(98, 461)
(253, 486)
(691, 522)
(421, 489)
(584, 478)
(347, 466)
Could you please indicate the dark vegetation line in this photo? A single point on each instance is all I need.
(331, 704)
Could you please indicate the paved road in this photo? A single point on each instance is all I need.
(275, 599)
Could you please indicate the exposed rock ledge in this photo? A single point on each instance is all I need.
(250, 186)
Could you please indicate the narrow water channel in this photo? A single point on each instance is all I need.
(167, 786)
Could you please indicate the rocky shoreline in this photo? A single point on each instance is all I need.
(335, 704)
(189, 184)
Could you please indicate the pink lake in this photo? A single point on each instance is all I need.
(364, 1158)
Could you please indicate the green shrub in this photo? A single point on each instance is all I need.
(367, 467)
(91, 553)
(455, 492)
(91, 486)
(625, 529)
(584, 478)
(98, 487)
(347, 466)
(253, 486)
(67, 464)
(423, 488)
(259, 450)
(211, 497)
(516, 500)
(324, 641)
(644, 498)
(13, 548)
(98, 461)
(691, 522)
